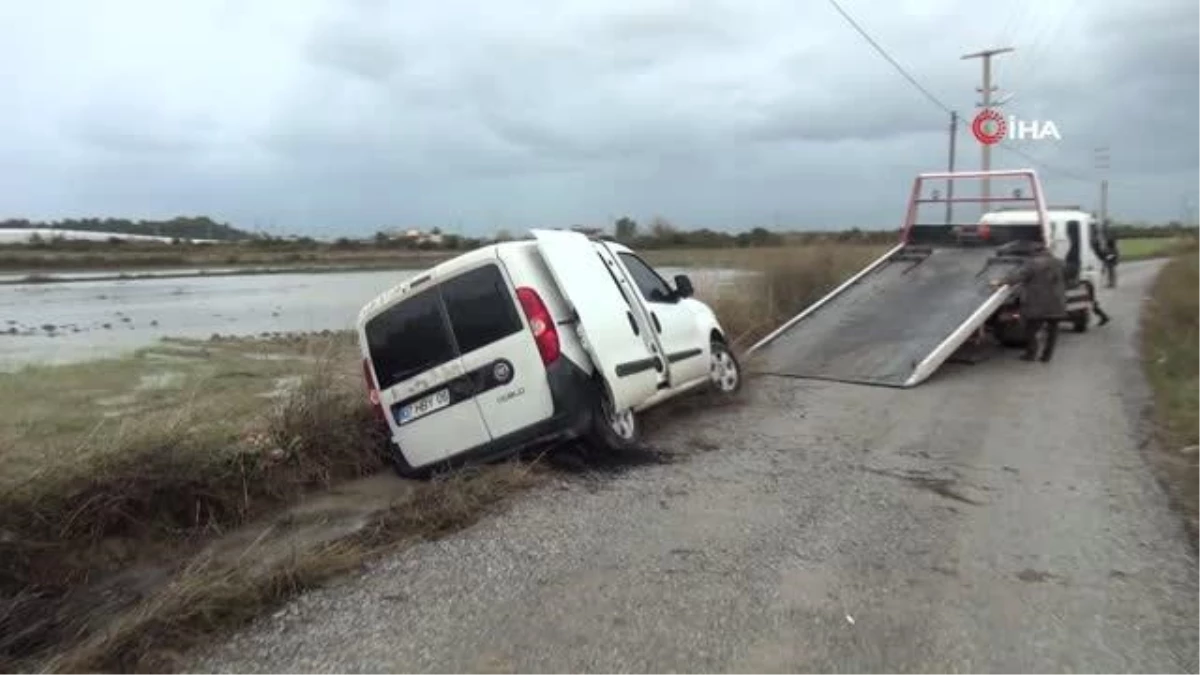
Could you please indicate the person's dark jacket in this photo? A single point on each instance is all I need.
(1043, 287)
(1113, 254)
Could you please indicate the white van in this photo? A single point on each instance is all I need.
(532, 342)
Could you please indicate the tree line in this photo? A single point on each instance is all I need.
(659, 233)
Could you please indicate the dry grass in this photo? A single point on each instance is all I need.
(783, 283)
(42, 262)
(106, 520)
(1170, 358)
(111, 493)
(208, 596)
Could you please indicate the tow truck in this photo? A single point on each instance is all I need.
(896, 321)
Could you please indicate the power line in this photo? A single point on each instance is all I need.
(883, 52)
(1038, 163)
(1016, 20)
(938, 102)
(1043, 165)
(1025, 69)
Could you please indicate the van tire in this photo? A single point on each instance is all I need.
(603, 435)
(725, 373)
(403, 468)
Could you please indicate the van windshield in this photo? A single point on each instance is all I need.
(409, 338)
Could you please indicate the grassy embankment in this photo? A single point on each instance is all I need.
(1170, 358)
(117, 473)
(142, 462)
(1154, 247)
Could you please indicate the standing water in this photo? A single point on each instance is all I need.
(81, 320)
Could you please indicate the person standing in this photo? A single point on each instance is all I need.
(1111, 258)
(1104, 255)
(1043, 299)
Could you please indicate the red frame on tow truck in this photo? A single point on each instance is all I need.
(915, 200)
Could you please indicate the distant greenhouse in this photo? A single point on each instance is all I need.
(32, 235)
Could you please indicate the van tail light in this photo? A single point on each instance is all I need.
(373, 392)
(985, 231)
(545, 334)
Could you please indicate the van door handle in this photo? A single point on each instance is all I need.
(632, 323)
(657, 325)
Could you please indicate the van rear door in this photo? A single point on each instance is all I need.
(612, 334)
(424, 387)
(498, 351)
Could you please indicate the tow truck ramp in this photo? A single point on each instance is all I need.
(894, 323)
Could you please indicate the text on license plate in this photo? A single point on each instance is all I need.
(421, 407)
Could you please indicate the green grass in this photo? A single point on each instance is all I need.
(1170, 357)
(59, 419)
(1154, 247)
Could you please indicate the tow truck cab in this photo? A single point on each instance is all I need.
(1073, 236)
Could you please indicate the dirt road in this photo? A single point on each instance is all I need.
(1000, 517)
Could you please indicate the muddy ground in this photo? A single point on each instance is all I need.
(1001, 517)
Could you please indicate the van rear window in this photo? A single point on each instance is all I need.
(480, 307)
(409, 338)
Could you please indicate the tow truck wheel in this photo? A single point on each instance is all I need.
(724, 371)
(612, 430)
(1011, 334)
(1080, 320)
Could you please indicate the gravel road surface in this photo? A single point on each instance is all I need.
(1000, 517)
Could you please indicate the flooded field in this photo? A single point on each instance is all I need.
(81, 320)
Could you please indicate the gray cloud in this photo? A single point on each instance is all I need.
(340, 117)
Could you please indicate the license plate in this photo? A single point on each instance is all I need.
(421, 407)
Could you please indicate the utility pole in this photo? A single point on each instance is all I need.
(1102, 165)
(987, 90)
(950, 169)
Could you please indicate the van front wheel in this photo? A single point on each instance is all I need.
(724, 371)
(612, 430)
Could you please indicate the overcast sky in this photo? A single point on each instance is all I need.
(341, 116)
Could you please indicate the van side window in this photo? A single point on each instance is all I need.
(408, 338)
(481, 308)
(620, 288)
(651, 285)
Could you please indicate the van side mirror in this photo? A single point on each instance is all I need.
(683, 286)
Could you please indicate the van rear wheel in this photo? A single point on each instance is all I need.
(612, 430)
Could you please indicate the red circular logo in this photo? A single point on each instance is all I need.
(989, 127)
